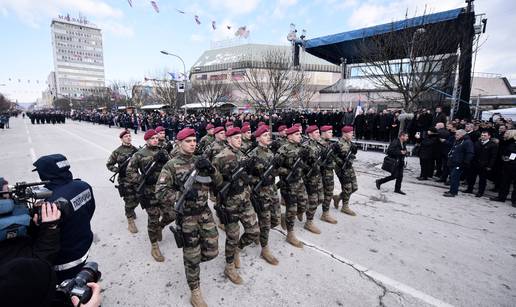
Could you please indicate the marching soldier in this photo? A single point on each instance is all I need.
(344, 169)
(164, 142)
(143, 171)
(235, 205)
(327, 175)
(216, 146)
(247, 143)
(117, 163)
(199, 233)
(293, 190)
(265, 198)
(206, 140)
(312, 178)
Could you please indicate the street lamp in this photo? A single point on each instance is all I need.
(184, 71)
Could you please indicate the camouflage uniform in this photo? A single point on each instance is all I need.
(140, 160)
(213, 149)
(204, 143)
(313, 184)
(327, 178)
(199, 230)
(246, 145)
(237, 203)
(267, 194)
(293, 192)
(347, 177)
(125, 189)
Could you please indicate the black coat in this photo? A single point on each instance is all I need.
(485, 154)
(394, 151)
(461, 153)
(430, 147)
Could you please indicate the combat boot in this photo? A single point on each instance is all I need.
(197, 300)
(345, 209)
(291, 238)
(232, 274)
(131, 225)
(283, 221)
(156, 253)
(237, 258)
(309, 225)
(326, 217)
(266, 254)
(336, 200)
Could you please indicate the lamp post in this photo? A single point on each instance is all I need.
(184, 72)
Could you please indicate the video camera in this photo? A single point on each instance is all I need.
(78, 286)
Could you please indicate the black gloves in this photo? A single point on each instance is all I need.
(354, 149)
(274, 146)
(336, 148)
(203, 165)
(304, 153)
(191, 195)
(161, 156)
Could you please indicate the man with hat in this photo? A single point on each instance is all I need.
(266, 198)
(281, 138)
(293, 191)
(117, 163)
(206, 140)
(236, 204)
(151, 159)
(247, 143)
(199, 231)
(229, 125)
(164, 142)
(345, 155)
(327, 175)
(312, 179)
(216, 146)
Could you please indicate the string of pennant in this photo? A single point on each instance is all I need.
(241, 31)
(23, 81)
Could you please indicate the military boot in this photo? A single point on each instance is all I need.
(309, 225)
(232, 274)
(291, 238)
(237, 258)
(131, 225)
(156, 253)
(326, 217)
(266, 254)
(283, 221)
(197, 300)
(345, 209)
(336, 200)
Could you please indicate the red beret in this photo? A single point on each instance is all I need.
(228, 123)
(159, 129)
(209, 126)
(326, 128)
(121, 135)
(261, 124)
(149, 133)
(218, 129)
(311, 129)
(184, 133)
(297, 125)
(261, 130)
(281, 128)
(292, 129)
(347, 129)
(233, 131)
(245, 129)
(246, 124)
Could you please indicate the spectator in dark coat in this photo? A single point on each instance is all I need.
(359, 125)
(483, 163)
(395, 127)
(428, 151)
(398, 150)
(439, 117)
(459, 158)
(508, 176)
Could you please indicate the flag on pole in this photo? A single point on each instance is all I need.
(130, 3)
(197, 19)
(179, 11)
(359, 107)
(229, 27)
(155, 6)
(213, 25)
(242, 32)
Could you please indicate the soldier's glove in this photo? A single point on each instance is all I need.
(336, 148)
(191, 195)
(161, 156)
(274, 146)
(204, 165)
(169, 146)
(304, 153)
(354, 149)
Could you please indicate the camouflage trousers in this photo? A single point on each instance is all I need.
(240, 209)
(348, 184)
(155, 211)
(201, 243)
(314, 190)
(328, 186)
(270, 216)
(129, 197)
(294, 194)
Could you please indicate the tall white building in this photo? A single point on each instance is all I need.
(78, 57)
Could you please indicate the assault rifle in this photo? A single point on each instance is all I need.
(268, 171)
(148, 170)
(235, 174)
(179, 208)
(321, 160)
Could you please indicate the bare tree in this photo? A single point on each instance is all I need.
(165, 90)
(413, 61)
(5, 103)
(304, 94)
(273, 82)
(210, 92)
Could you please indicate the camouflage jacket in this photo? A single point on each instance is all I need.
(246, 145)
(142, 159)
(213, 149)
(204, 143)
(329, 165)
(315, 150)
(287, 155)
(166, 144)
(226, 162)
(172, 178)
(262, 158)
(345, 147)
(119, 156)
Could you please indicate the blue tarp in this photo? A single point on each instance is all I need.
(343, 45)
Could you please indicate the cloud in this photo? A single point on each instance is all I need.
(235, 7)
(282, 6)
(116, 28)
(197, 38)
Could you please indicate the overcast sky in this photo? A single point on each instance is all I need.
(133, 36)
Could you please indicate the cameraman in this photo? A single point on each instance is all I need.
(76, 235)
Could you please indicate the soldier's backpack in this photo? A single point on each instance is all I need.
(14, 219)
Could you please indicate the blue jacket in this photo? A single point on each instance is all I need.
(461, 153)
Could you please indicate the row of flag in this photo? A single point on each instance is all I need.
(23, 80)
(241, 32)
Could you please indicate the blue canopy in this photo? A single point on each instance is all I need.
(345, 45)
